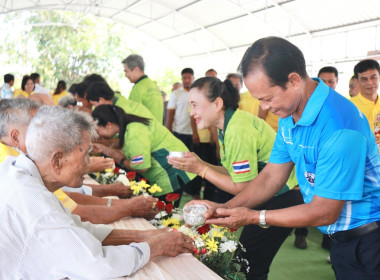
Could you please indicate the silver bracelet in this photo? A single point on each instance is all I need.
(109, 202)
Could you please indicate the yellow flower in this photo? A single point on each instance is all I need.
(136, 189)
(155, 188)
(216, 233)
(172, 222)
(205, 236)
(143, 184)
(109, 170)
(212, 245)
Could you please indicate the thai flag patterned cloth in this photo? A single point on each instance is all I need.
(137, 159)
(241, 167)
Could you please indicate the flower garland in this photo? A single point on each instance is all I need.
(109, 176)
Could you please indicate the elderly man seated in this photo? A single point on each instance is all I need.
(40, 239)
(15, 116)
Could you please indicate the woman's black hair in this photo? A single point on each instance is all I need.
(214, 88)
(25, 79)
(114, 114)
(61, 86)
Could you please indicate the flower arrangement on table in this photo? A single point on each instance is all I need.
(216, 247)
(111, 175)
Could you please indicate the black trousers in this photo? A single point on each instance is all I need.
(357, 259)
(263, 244)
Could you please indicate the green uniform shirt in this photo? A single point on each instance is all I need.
(147, 93)
(147, 147)
(245, 146)
(131, 107)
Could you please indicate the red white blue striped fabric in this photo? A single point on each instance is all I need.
(138, 159)
(241, 167)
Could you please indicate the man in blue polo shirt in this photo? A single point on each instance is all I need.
(337, 161)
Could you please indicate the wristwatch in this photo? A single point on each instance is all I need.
(262, 222)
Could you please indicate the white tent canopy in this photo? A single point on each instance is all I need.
(215, 33)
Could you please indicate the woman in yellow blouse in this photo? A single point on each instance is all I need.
(27, 88)
(59, 92)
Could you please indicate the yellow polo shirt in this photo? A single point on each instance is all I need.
(6, 151)
(19, 92)
(372, 112)
(249, 104)
(58, 96)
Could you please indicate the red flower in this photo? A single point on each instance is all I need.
(131, 175)
(203, 251)
(196, 251)
(160, 205)
(203, 229)
(169, 208)
(116, 170)
(170, 197)
(143, 179)
(233, 229)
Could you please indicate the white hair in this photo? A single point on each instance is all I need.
(56, 128)
(15, 113)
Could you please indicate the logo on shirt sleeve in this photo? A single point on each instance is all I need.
(241, 167)
(137, 159)
(310, 177)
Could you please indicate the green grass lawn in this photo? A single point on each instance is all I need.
(291, 263)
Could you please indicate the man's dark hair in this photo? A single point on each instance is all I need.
(80, 90)
(99, 89)
(187, 70)
(34, 76)
(234, 75)
(277, 57)
(72, 88)
(8, 78)
(93, 78)
(364, 65)
(328, 69)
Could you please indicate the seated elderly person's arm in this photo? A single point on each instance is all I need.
(114, 189)
(96, 211)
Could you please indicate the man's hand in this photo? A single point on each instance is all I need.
(170, 244)
(211, 207)
(142, 206)
(100, 164)
(233, 218)
(120, 190)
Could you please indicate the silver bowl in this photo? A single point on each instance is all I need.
(193, 214)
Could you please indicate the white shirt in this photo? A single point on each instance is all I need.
(179, 101)
(40, 239)
(40, 89)
(83, 190)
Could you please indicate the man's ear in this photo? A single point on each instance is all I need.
(294, 80)
(15, 138)
(56, 161)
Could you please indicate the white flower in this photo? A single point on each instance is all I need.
(123, 179)
(199, 242)
(228, 246)
(186, 231)
(161, 214)
(177, 216)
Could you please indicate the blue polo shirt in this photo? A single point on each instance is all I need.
(336, 157)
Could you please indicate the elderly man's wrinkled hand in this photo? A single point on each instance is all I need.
(171, 244)
(101, 163)
(143, 206)
(120, 190)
